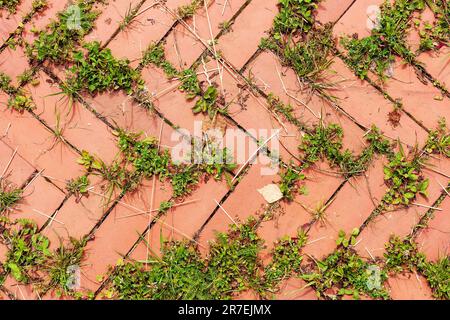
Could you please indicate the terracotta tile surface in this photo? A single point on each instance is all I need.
(332, 10)
(19, 170)
(409, 287)
(434, 240)
(39, 148)
(13, 63)
(33, 206)
(183, 48)
(10, 21)
(251, 25)
(351, 207)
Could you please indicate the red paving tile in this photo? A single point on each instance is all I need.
(251, 25)
(13, 62)
(120, 231)
(3, 295)
(42, 151)
(434, 240)
(43, 18)
(366, 104)
(3, 252)
(409, 287)
(237, 209)
(79, 126)
(436, 63)
(19, 170)
(332, 10)
(59, 164)
(295, 289)
(183, 47)
(359, 19)
(148, 27)
(371, 241)
(423, 101)
(10, 21)
(182, 222)
(35, 207)
(20, 291)
(172, 103)
(110, 19)
(77, 217)
(351, 207)
(359, 105)
(296, 215)
(267, 70)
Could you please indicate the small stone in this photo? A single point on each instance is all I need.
(271, 193)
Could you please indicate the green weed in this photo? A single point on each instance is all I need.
(58, 267)
(294, 16)
(181, 272)
(10, 5)
(403, 254)
(309, 58)
(346, 273)
(58, 41)
(404, 179)
(208, 104)
(98, 71)
(78, 186)
(377, 52)
(286, 260)
(289, 184)
(28, 249)
(155, 55)
(8, 195)
(439, 140)
(434, 36)
(189, 83)
(188, 10)
(21, 102)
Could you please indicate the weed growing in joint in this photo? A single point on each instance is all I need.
(286, 261)
(155, 55)
(344, 273)
(9, 195)
(326, 142)
(286, 110)
(309, 57)
(21, 102)
(289, 185)
(29, 259)
(10, 5)
(434, 36)
(439, 140)
(188, 10)
(98, 71)
(388, 39)
(232, 266)
(58, 267)
(58, 41)
(404, 179)
(29, 249)
(5, 83)
(142, 159)
(189, 81)
(18, 99)
(208, 103)
(402, 255)
(294, 16)
(78, 186)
